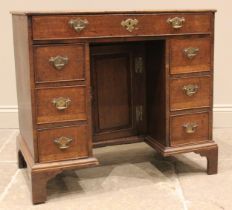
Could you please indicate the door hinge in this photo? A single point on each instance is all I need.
(139, 65)
(139, 113)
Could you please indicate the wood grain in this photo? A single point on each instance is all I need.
(156, 91)
(104, 89)
(180, 63)
(57, 27)
(24, 81)
(212, 159)
(41, 173)
(178, 135)
(49, 151)
(113, 103)
(113, 91)
(45, 71)
(48, 113)
(179, 100)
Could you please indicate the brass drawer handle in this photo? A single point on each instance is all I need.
(191, 52)
(59, 62)
(78, 24)
(130, 24)
(190, 89)
(176, 22)
(190, 127)
(63, 142)
(61, 103)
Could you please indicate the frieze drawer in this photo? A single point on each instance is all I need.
(87, 26)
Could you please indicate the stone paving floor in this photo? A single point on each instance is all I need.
(130, 177)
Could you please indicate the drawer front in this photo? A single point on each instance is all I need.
(187, 93)
(75, 26)
(56, 63)
(190, 55)
(61, 104)
(63, 143)
(187, 129)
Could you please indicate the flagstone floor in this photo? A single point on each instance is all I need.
(130, 177)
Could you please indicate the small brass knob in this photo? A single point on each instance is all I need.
(63, 142)
(190, 89)
(61, 103)
(190, 127)
(59, 62)
(191, 52)
(78, 24)
(129, 24)
(176, 22)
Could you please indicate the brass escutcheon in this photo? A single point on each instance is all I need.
(61, 103)
(78, 24)
(190, 127)
(190, 89)
(63, 142)
(191, 52)
(58, 62)
(130, 24)
(176, 22)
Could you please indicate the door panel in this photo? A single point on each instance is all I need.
(113, 92)
(114, 95)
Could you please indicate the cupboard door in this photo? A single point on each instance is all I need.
(113, 86)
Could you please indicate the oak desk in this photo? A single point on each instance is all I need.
(92, 79)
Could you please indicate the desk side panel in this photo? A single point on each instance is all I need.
(156, 91)
(24, 79)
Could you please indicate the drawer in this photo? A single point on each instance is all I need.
(190, 55)
(187, 93)
(61, 104)
(63, 143)
(190, 128)
(54, 63)
(77, 26)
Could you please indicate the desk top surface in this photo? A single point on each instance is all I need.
(107, 12)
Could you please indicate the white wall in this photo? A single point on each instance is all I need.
(223, 46)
